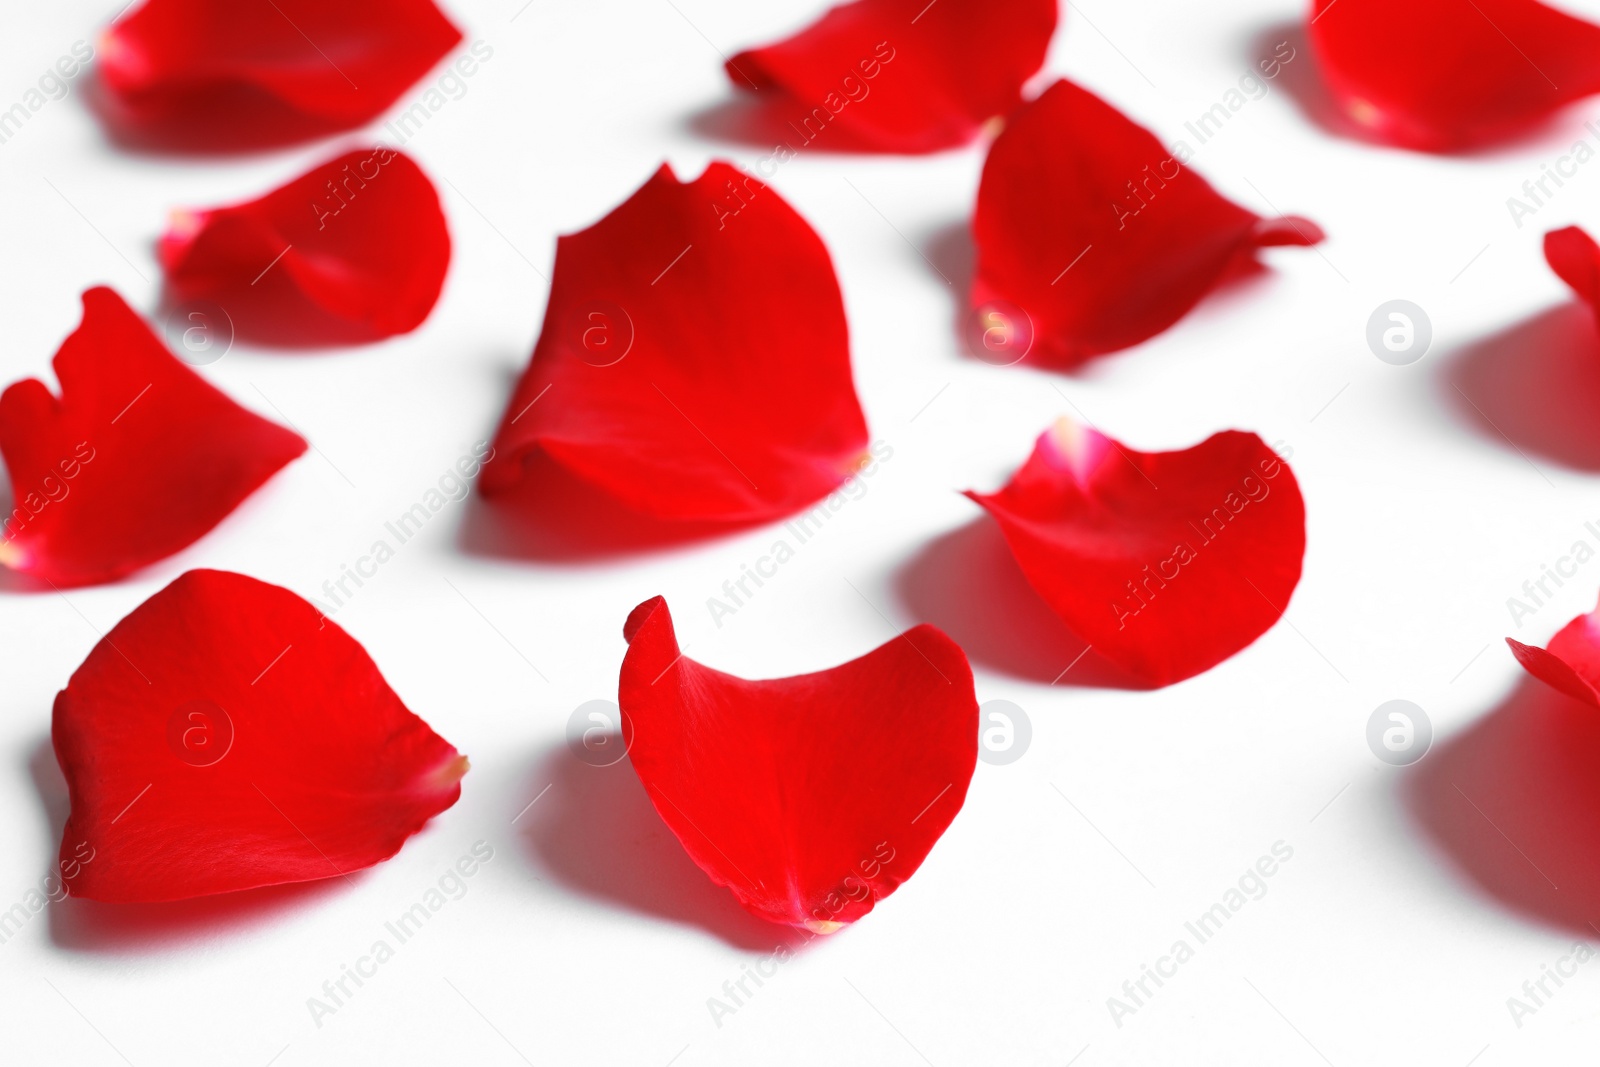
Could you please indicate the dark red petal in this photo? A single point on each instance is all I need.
(304, 66)
(901, 75)
(1440, 75)
(696, 357)
(1167, 563)
(1575, 258)
(1098, 234)
(137, 459)
(1571, 662)
(813, 797)
(225, 736)
(356, 248)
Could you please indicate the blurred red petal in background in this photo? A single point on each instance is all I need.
(1166, 563)
(355, 249)
(812, 797)
(226, 736)
(1575, 258)
(138, 458)
(1440, 75)
(220, 74)
(1092, 237)
(900, 75)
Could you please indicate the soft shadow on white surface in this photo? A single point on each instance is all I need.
(553, 517)
(1514, 801)
(596, 833)
(967, 583)
(1534, 386)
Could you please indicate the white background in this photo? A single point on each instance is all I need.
(1416, 902)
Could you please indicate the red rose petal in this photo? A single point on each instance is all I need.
(902, 75)
(696, 358)
(226, 736)
(1167, 563)
(813, 797)
(356, 248)
(1571, 662)
(1438, 75)
(1575, 258)
(137, 459)
(288, 69)
(1097, 233)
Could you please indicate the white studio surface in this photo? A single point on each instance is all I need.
(1417, 900)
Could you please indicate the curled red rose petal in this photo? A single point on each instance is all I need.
(1092, 237)
(138, 458)
(355, 249)
(901, 75)
(1166, 563)
(226, 736)
(812, 797)
(1575, 257)
(1570, 662)
(1437, 75)
(696, 358)
(263, 73)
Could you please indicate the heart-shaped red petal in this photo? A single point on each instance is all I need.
(812, 797)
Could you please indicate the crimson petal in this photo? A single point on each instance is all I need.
(226, 736)
(1575, 257)
(356, 248)
(812, 797)
(1101, 237)
(138, 458)
(903, 75)
(1436, 75)
(1166, 563)
(289, 68)
(1571, 661)
(696, 356)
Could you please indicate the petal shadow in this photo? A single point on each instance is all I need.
(597, 833)
(1514, 801)
(968, 584)
(1535, 385)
